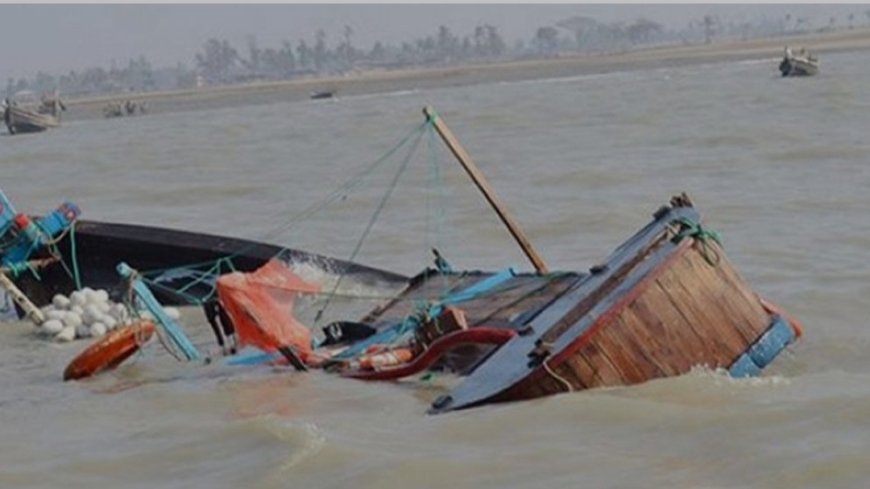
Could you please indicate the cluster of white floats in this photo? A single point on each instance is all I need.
(87, 313)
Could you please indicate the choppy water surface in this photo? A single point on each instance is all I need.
(778, 166)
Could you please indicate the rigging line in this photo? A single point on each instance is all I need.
(348, 185)
(374, 218)
(438, 183)
(191, 299)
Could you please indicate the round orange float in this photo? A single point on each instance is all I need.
(109, 351)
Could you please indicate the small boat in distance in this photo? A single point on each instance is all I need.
(801, 64)
(24, 112)
(127, 107)
(323, 94)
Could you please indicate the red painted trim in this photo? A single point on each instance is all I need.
(795, 324)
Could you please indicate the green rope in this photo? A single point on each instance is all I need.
(373, 219)
(191, 299)
(692, 229)
(355, 181)
(16, 269)
(337, 194)
(212, 272)
(74, 256)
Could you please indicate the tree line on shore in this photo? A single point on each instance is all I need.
(220, 63)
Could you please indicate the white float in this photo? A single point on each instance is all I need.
(87, 313)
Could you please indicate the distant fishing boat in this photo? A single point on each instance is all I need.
(125, 108)
(323, 94)
(25, 113)
(801, 64)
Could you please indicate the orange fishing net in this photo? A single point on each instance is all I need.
(260, 305)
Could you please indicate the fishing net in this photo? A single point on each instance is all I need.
(260, 306)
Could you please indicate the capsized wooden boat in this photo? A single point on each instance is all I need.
(98, 247)
(801, 64)
(665, 301)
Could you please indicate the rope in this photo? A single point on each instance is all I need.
(173, 330)
(373, 220)
(692, 229)
(74, 257)
(191, 299)
(16, 269)
(557, 376)
(337, 194)
(426, 310)
(51, 245)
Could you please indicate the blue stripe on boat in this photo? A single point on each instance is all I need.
(763, 351)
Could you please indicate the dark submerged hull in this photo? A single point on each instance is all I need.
(100, 246)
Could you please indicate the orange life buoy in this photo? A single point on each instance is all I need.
(109, 351)
(772, 308)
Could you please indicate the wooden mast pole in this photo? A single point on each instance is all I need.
(481, 183)
(30, 310)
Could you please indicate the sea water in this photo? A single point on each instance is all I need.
(780, 167)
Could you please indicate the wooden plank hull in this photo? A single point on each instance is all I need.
(20, 120)
(658, 307)
(509, 305)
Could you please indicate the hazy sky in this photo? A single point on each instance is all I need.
(58, 38)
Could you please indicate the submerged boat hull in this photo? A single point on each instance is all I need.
(96, 248)
(658, 307)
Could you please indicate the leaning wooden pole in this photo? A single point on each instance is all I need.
(481, 183)
(30, 310)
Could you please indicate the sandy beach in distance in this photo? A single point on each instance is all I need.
(423, 78)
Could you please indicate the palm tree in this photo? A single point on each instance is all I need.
(708, 29)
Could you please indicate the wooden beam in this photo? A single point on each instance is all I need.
(481, 183)
(30, 310)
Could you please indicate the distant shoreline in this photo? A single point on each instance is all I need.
(426, 78)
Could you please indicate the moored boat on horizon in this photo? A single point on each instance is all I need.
(23, 113)
(801, 64)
